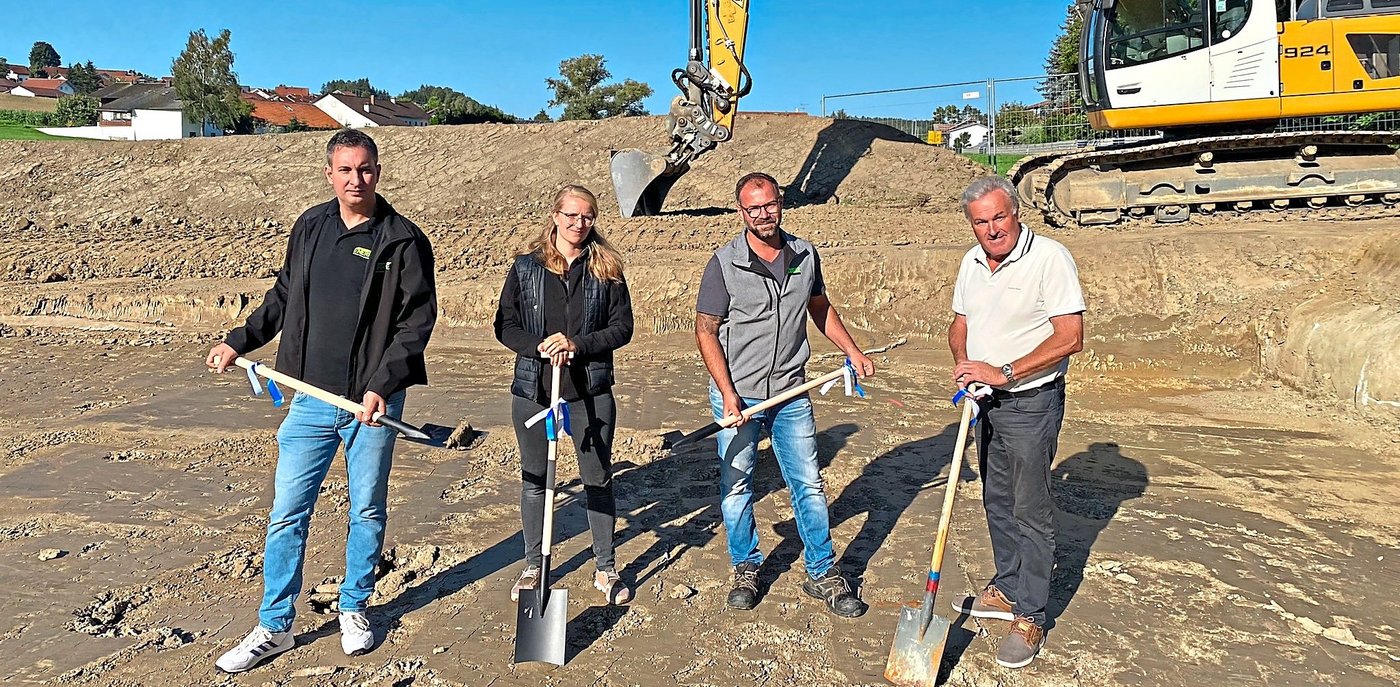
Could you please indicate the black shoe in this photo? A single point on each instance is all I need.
(744, 595)
(832, 588)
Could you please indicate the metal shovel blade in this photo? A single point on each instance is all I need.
(916, 652)
(539, 635)
(641, 181)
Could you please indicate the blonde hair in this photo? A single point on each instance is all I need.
(604, 262)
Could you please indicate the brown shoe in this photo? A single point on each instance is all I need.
(1022, 643)
(990, 603)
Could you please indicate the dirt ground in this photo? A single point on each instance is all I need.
(1227, 478)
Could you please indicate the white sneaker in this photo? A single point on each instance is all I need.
(355, 635)
(258, 646)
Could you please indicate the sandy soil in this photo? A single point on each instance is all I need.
(1226, 481)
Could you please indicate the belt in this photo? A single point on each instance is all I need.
(1059, 383)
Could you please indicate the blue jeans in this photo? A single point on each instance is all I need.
(794, 434)
(306, 444)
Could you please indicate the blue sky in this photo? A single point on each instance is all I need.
(501, 53)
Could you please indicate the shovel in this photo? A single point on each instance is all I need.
(673, 440)
(407, 430)
(919, 639)
(542, 617)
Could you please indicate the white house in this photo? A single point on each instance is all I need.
(43, 88)
(975, 130)
(357, 113)
(140, 112)
(15, 72)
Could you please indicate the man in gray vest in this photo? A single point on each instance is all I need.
(1018, 315)
(751, 325)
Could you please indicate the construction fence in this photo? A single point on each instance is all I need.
(1014, 117)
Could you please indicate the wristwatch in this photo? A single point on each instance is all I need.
(1009, 373)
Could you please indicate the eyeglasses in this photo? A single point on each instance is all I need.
(769, 208)
(580, 218)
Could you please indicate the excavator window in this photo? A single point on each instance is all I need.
(1230, 17)
(1148, 30)
(1379, 53)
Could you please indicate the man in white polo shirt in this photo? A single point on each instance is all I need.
(1018, 315)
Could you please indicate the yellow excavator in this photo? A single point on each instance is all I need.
(702, 116)
(1216, 77)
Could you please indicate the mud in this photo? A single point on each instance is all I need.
(1226, 481)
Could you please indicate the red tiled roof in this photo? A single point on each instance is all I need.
(281, 113)
(298, 94)
(19, 70)
(44, 83)
(119, 75)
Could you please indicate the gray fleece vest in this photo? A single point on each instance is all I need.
(765, 335)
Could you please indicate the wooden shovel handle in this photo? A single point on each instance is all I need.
(302, 387)
(786, 395)
(954, 469)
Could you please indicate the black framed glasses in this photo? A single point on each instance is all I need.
(770, 208)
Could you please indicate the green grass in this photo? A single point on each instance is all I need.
(16, 132)
(1004, 162)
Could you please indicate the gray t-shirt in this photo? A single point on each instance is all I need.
(714, 295)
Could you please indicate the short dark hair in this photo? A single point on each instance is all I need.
(351, 138)
(752, 177)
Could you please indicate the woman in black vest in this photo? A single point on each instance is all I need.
(565, 297)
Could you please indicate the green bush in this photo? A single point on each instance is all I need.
(77, 110)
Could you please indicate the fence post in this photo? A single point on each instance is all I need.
(992, 117)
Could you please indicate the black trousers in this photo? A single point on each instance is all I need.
(593, 420)
(1016, 441)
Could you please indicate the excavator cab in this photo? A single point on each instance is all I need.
(702, 116)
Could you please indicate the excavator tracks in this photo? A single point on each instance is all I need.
(1307, 174)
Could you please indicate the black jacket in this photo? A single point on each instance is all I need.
(398, 305)
(596, 315)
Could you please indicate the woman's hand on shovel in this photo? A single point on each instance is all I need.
(559, 348)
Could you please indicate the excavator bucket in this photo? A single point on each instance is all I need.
(641, 181)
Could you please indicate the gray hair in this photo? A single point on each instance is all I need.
(351, 138)
(981, 187)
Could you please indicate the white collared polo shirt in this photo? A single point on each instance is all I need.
(1008, 311)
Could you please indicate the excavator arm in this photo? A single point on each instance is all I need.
(701, 117)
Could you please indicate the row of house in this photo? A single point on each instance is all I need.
(153, 111)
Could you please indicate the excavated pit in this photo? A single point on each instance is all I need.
(1227, 472)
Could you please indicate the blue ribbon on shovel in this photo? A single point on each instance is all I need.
(272, 391)
(981, 392)
(556, 419)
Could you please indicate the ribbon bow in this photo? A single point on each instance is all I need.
(556, 418)
(851, 380)
(272, 391)
(980, 392)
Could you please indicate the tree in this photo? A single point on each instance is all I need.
(77, 110)
(542, 116)
(4, 67)
(1064, 51)
(41, 56)
(952, 114)
(359, 87)
(206, 83)
(840, 114)
(84, 78)
(963, 140)
(584, 96)
(450, 106)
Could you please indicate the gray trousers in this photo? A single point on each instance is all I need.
(593, 421)
(1016, 442)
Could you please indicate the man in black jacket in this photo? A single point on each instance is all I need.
(355, 303)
